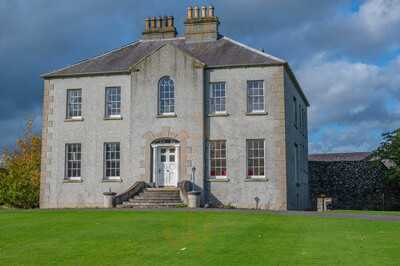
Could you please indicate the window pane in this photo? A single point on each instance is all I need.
(166, 96)
(113, 101)
(255, 157)
(217, 158)
(255, 95)
(217, 97)
(72, 160)
(74, 103)
(112, 160)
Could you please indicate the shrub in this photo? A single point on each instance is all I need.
(20, 182)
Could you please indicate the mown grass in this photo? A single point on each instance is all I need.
(389, 213)
(96, 237)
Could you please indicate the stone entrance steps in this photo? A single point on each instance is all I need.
(154, 198)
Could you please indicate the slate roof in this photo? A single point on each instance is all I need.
(221, 53)
(335, 157)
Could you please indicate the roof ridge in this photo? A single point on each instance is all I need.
(255, 50)
(91, 58)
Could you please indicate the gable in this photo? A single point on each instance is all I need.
(167, 48)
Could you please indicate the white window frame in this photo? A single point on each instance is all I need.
(105, 160)
(250, 104)
(214, 87)
(68, 105)
(109, 102)
(210, 143)
(161, 97)
(254, 158)
(73, 160)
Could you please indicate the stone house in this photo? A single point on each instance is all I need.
(152, 111)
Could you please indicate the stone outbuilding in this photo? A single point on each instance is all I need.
(352, 180)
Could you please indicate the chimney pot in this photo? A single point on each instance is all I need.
(147, 23)
(196, 11)
(203, 11)
(189, 12)
(170, 22)
(165, 21)
(153, 22)
(160, 22)
(211, 11)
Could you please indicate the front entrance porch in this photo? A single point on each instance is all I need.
(165, 161)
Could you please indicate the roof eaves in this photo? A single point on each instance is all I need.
(54, 73)
(102, 73)
(244, 65)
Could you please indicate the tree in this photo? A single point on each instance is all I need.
(389, 153)
(20, 182)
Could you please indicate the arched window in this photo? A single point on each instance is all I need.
(166, 96)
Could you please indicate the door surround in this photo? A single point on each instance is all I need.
(156, 147)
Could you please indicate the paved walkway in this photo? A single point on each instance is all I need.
(371, 217)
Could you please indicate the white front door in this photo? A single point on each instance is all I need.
(167, 166)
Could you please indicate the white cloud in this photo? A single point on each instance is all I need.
(378, 17)
(349, 102)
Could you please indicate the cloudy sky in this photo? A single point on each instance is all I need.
(346, 55)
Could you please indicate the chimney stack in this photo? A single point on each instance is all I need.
(159, 28)
(201, 27)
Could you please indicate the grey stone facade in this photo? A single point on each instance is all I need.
(191, 126)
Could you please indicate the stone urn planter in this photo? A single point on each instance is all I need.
(109, 199)
(194, 199)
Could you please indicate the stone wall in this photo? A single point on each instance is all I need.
(357, 185)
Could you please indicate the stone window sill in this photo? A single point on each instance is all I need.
(218, 179)
(116, 180)
(113, 118)
(256, 113)
(259, 179)
(166, 116)
(76, 119)
(72, 181)
(218, 114)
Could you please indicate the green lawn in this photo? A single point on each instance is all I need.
(95, 237)
(390, 213)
